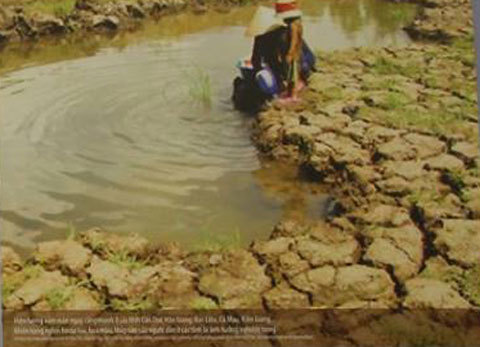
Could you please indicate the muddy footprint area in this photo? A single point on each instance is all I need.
(392, 132)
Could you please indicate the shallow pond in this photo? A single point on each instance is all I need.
(137, 132)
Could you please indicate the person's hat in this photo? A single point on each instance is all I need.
(287, 9)
(263, 22)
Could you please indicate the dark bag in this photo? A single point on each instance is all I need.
(247, 96)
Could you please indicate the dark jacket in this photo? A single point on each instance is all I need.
(270, 49)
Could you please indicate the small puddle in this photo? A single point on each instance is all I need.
(136, 133)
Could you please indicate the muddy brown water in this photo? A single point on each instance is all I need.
(112, 132)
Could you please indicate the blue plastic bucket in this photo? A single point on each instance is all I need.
(267, 82)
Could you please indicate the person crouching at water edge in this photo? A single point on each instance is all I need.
(288, 11)
(269, 34)
(281, 60)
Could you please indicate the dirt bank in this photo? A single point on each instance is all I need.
(391, 132)
(33, 20)
(394, 132)
(441, 20)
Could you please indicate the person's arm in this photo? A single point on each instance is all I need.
(296, 41)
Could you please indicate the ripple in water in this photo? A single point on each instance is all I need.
(115, 140)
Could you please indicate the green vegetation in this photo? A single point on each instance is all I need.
(465, 50)
(387, 84)
(125, 259)
(96, 243)
(439, 122)
(470, 284)
(72, 232)
(447, 274)
(58, 297)
(465, 281)
(395, 101)
(203, 303)
(59, 8)
(421, 197)
(386, 66)
(220, 243)
(333, 93)
(10, 283)
(200, 86)
(141, 304)
(401, 14)
(456, 179)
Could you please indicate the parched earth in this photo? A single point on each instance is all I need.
(394, 133)
(391, 132)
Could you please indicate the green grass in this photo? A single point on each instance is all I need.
(220, 243)
(8, 288)
(464, 43)
(97, 243)
(440, 122)
(10, 283)
(124, 259)
(200, 86)
(456, 179)
(132, 305)
(385, 66)
(401, 15)
(470, 284)
(333, 93)
(421, 197)
(387, 84)
(59, 8)
(395, 101)
(58, 297)
(72, 232)
(203, 303)
(465, 52)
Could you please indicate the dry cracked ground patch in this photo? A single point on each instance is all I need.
(394, 133)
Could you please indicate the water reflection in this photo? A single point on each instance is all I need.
(106, 133)
(326, 20)
(300, 200)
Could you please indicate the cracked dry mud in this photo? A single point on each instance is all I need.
(392, 132)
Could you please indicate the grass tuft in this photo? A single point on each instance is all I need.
(203, 303)
(59, 8)
(395, 101)
(221, 243)
(12, 282)
(470, 284)
(142, 304)
(385, 66)
(58, 297)
(200, 86)
(124, 259)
